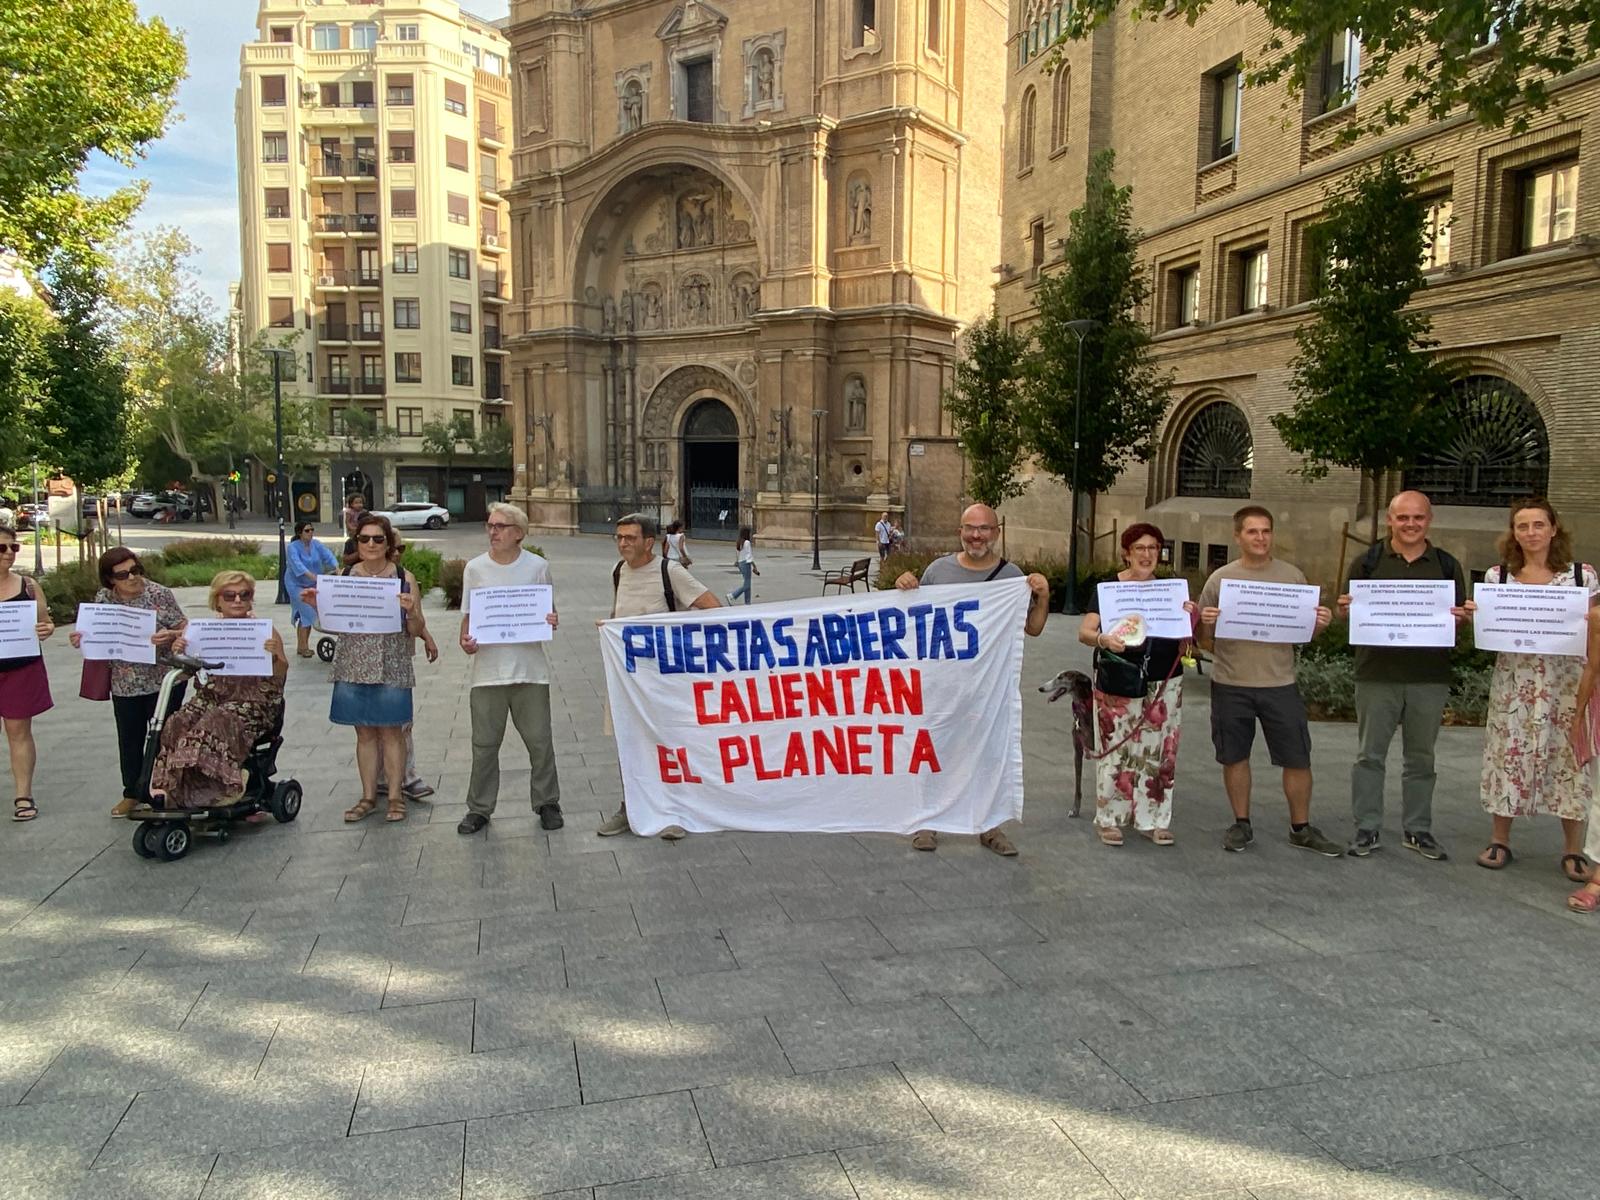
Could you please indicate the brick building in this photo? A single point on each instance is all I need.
(745, 238)
(1227, 182)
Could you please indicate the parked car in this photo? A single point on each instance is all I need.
(174, 506)
(30, 514)
(417, 515)
(143, 505)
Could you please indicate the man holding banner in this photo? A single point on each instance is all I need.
(977, 562)
(1402, 676)
(509, 678)
(1253, 677)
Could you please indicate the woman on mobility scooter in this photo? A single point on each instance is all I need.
(205, 743)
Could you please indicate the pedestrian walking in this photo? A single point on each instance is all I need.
(1255, 681)
(746, 562)
(511, 679)
(978, 562)
(355, 507)
(676, 545)
(1529, 763)
(1401, 688)
(24, 684)
(884, 531)
(642, 584)
(1138, 733)
(306, 558)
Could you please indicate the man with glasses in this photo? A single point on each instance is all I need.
(978, 562)
(642, 584)
(510, 680)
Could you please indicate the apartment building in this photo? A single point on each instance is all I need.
(373, 148)
(1228, 182)
(746, 236)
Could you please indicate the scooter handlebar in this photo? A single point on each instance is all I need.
(186, 662)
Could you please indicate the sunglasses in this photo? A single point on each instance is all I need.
(136, 569)
(372, 539)
(234, 597)
(10, 547)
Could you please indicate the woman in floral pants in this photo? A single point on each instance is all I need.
(1137, 735)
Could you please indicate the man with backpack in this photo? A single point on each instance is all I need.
(1404, 688)
(642, 584)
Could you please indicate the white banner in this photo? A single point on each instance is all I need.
(1267, 612)
(1159, 601)
(357, 604)
(18, 636)
(238, 643)
(893, 711)
(515, 614)
(117, 632)
(1531, 618)
(1402, 613)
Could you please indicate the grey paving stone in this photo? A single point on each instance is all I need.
(121, 1061)
(1179, 1064)
(518, 1017)
(22, 1061)
(721, 995)
(754, 1119)
(388, 1035)
(646, 958)
(807, 1177)
(542, 969)
(38, 1139)
(179, 1179)
(871, 1033)
(906, 976)
(656, 1058)
(502, 935)
(1445, 1178)
(275, 1112)
(443, 944)
(996, 1087)
(981, 928)
(699, 914)
(1372, 1041)
(416, 1164)
(430, 1092)
(851, 900)
(1550, 1169)
(761, 944)
(1029, 1016)
(1211, 996)
(1032, 1160)
(509, 1158)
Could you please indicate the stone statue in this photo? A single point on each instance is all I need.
(766, 73)
(746, 296)
(855, 403)
(632, 106)
(693, 301)
(860, 211)
(608, 315)
(686, 225)
(652, 308)
(626, 311)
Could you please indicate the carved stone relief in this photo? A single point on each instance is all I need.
(855, 404)
(744, 296)
(697, 225)
(651, 317)
(763, 73)
(694, 301)
(633, 97)
(860, 198)
(608, 315)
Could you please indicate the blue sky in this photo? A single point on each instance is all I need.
(192, 171)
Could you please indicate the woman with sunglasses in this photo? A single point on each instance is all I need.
(372, 675)
(24, 686)
(204, 743)
(135, 686)
(307, 558)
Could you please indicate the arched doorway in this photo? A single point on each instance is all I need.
(1495, 449)
(711, 470)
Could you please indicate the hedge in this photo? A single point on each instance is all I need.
(452, 574)
(1327, 677)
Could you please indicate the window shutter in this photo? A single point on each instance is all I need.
(273, 90)
(277, 256)
(455, 153)
(280, 311)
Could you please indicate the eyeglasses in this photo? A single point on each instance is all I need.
(233, 597)
(496, 526)
(979, 528)
(371, 539)
(1143, 548)
(10, 547)
(135, 569)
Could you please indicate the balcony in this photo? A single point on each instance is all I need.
(403, 154)
(362, 166)
(333, 331)
(490, 289)
(491, 340)
(363, 278)
(370, 385)
(492, 135)
(277, 212)
(335, 387)
(364, 223)
(489, 187)
(494, 392)
(330, 223)
(333, 277)
(367, 331)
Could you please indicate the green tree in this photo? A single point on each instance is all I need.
(83, 419)
(1438, 50)
(1368, 396)
(26, 328)
(494, 444)
(364, 439)
(982, 406)
(444, 439)
(77, 76)
(1124, 395)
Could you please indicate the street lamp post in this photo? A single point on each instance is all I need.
(38, 546)
(816, 487)
(281, 483)
(1080, 329)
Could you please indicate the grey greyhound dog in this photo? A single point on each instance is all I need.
(1078, 685)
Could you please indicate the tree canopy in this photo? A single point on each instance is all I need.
(76, 76)
(982, 407)
(1495, 58)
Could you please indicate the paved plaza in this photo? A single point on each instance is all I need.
(319, 1011)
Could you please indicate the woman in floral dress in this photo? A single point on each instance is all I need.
(1138, 736)
(204, 744)
(1528, 762)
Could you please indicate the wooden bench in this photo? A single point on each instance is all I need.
(847, 577)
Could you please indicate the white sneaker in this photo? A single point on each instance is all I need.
(729, 597)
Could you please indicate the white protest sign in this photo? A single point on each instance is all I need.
(18, 637)
(895, 711)
(1402, 613)
(498, 616)
(117, 633)
(357, 604)
(1531, 619)
(1159, 601)
(238, 644)
(1253, 611)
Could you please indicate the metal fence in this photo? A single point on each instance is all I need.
(600, 507)
(715, 512)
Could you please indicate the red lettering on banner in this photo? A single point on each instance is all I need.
(905, 690)
(819, 694)
(669, 765)
(702, 688)
(791, 695)
(889, 733)
(922, 752)
(734, 752)
(877, 696)
(761, 768)
(794, 759)
(860, 748)
(793, 701)
(835, 750)
(829, 744)
(846, 677)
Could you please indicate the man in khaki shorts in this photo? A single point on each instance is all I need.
(1254, 681)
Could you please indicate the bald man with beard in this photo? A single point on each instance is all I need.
(979, 562)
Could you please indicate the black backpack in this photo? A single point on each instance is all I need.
(666, 586)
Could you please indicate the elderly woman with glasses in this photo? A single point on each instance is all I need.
(24, 686)
(306, 559)
(205, 743)
(135, 686)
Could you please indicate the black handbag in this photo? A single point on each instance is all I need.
(1118, 676)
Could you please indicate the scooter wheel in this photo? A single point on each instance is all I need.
(174, 841)
(140, 847)
(325, 648)
(285, 802)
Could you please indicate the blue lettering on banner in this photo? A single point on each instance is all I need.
(921, 631)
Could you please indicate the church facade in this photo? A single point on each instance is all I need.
(744, 243)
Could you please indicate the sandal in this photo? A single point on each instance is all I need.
(924, 839)
(1584, 900)
(361, 810)
(396, 810)
(1110, 835)
(1576, 868)
(25, 809)
(1496, 856)
(306, 653)
(1161, 837)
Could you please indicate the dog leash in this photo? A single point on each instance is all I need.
(1144, 713)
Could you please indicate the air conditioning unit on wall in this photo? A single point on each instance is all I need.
(325, 280)
(491, 239)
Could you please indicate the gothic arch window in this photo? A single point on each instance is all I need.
(1496, 449)
(1025, 130)
(1216, 453)
(1060, 108)
(712, 420)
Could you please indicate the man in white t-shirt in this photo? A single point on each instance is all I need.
(510, 680)
(884, 530)
(640, 584)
